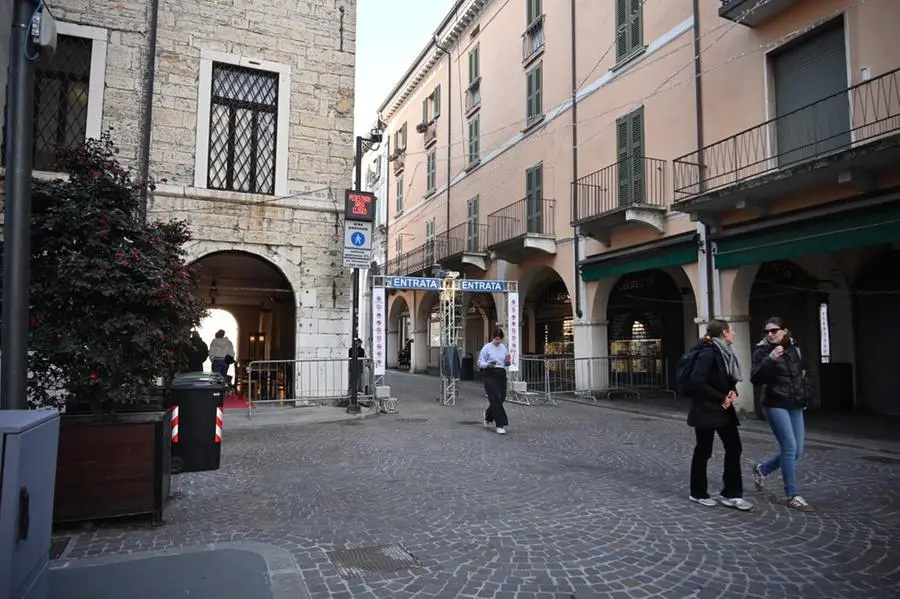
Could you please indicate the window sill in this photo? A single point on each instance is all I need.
(473, 165)
(629, 59)
(429, 143)
(429, 194)
(202, 193)
(532, 58)
(41, 175)
(534, 125)
(473, 109)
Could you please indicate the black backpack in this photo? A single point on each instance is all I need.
(685, 368)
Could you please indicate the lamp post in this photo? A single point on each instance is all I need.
(363, 145)
(17, 212)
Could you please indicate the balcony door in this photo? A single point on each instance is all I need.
(811, 101)
(472, 241)
(429, 243)
(534, 205)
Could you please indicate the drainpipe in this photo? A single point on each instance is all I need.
(705, 234)
(147, 107)
(449, 124)
(577, 238)
(387, 207)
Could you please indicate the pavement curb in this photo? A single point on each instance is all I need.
(283, 572)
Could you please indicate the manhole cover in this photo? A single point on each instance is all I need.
(375, 558)
(412, 419)
(469, 422)
(58, 546)
(880, 459)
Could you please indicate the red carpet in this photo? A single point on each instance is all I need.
(233, 401)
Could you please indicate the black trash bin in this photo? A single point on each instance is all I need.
(197, 399)
(467, 368)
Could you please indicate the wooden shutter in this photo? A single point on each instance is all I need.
(472, 219)
(622, 45)
(425, 111)
(623, 163)
(534, 199)
(638, 176)
(635, 26)
(399, 195)
(437, 101)
(534, 11)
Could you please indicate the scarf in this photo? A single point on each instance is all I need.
(731, 363)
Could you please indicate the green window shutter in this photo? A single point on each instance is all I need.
(425, 110)
(635, 27)
(399, 195)
(622, 41)
(533, 93)
(623, 165)
(403, 136)
(437, 101)
(529, 93)
(538, 89)
(472, 66)
(638, 176)
(534, 10)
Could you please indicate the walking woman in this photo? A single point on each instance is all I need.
(713, 382)
(493, 360)
(779, 367)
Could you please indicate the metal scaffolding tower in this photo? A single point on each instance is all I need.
(451, 336)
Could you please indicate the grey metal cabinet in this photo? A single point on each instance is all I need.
(28, 444)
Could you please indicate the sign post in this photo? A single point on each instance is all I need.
(359, 217)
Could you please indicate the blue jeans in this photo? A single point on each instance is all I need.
(221, 366)
(790, 431)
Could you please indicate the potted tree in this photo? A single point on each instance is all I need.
(112, 305)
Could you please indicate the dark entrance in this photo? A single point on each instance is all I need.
(877, 309)
(552, 307)
(646, 320)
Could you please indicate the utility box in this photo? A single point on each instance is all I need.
(29, 440)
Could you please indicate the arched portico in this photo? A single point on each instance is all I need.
(399, 328)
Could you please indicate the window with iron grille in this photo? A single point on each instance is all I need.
(243, 123)
(61, 89)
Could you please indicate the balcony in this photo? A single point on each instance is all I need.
(753, 13)
(533, 40)
(523, 228)
(430, 133)
(420, 261)
(399, 161)
(846, 138)
(631, 192)
(464, 245)
(473, 96)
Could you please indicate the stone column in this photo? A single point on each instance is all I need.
(394, 344)
(592, 356)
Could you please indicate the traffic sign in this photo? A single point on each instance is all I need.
(357, 235)
(359, 205)
(355, 258)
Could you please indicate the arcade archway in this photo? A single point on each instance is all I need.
(877, 299)
(261, 299)
(399, 333)
(650, 316)
(547, 319)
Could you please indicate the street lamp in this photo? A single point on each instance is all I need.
(363, 145)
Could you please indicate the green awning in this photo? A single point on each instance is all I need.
(675, 255)
(854, 230)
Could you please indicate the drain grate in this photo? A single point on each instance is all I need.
(376, 558)
(880, 459)
(58, 547)
(412, 419)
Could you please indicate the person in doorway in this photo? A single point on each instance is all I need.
(221, 352)
(779, 367)
(197, 352)
(713, 383)
(359, 351)
(493, 360)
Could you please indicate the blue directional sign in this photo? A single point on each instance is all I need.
(358, 239)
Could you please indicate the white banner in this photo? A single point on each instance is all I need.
(379, 330)
(512, 333)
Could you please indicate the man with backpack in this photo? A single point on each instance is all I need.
(709, 374)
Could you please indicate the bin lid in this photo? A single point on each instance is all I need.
(195, 380)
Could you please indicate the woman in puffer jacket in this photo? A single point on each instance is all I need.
(779, 367)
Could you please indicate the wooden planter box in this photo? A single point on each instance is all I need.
(113, 469)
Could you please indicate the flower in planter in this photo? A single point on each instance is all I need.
(110, 292)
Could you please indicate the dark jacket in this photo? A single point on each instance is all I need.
(197, 355)
(783, 380)
(711, 384)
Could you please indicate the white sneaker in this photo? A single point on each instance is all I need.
(501, 430)
(738, 503)
(705, 501)
(798, 503)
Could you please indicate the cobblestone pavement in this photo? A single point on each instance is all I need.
(574, 502)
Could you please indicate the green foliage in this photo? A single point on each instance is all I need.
(112, 300)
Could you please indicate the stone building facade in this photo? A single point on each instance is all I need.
(249, 139)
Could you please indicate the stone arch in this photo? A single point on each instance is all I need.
(547, 312)
(399, 331)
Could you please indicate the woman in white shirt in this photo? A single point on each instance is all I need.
(493, 360)
(220, 350)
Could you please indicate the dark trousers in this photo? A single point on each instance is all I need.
(220, 366)
(495, 387)
(732, 485)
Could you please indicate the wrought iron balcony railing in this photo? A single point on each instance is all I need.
(468, 237)
(528, 216)
(633, 181)
(856, 116)
(416, 260)
(533, 39)
(399, 161)
(430, 132)
(473, 95)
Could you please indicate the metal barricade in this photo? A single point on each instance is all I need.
(544, 379)
(306, 382)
